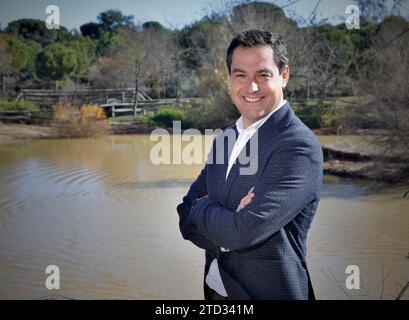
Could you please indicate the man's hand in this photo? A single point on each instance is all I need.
(246, 200)
(243, 202)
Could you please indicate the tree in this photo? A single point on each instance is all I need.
(16, 57)
(57, 62)
(18, 51)
(329, 58)
(6, 66)
(84, 49)
(144, 59)
(36, 30)
(385, 80)
(92, 29)
(113, 19)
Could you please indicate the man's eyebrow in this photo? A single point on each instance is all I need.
(238, 70)
(258, 71)
(265, 70)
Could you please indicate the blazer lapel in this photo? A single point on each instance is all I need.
(221, 168)
(265, 135)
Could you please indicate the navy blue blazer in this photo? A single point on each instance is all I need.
(267, 239)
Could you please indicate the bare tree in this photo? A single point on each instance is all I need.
(386, 82)
(6, 65)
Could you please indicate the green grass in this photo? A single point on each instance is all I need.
(19, 106)
(140, 118)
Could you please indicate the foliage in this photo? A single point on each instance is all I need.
(35, 30)
(387, 82)
(19, 51)
(57, 62)
(19, 106)
(87, 121)
(112, 19)
(166, 115)
(92, 30)
(84, 50)
(310, 113)
(327, 62)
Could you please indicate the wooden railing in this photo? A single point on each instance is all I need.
(47, 98)
(113, 101)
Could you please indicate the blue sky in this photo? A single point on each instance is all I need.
(170, 13)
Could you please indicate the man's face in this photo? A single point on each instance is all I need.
(256, 84)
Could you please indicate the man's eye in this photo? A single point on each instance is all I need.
(239, 75)
(264, 75)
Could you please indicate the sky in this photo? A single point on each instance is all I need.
(173, 14)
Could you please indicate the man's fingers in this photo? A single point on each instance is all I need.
(246, 199)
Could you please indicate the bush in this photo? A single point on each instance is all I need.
(165, 116)
(210, 114)
(310, 114)
(87, 121)
(19, 106)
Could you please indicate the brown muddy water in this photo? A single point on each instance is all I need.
(101, 211)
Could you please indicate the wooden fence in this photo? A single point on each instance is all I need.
(113, 101)
(46, 98)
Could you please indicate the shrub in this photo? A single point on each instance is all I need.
(165, 116)
(87, 121)
(310, 115)
(19, 106)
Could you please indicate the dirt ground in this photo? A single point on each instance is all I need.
(13, 132)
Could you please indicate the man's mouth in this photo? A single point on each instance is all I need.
(252, 99)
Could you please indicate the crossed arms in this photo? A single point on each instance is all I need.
(290, 181)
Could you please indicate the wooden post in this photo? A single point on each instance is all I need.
(3, 84)
(135, 105)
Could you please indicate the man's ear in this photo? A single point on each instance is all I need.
(285, 76)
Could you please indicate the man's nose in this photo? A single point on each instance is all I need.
(253, 86)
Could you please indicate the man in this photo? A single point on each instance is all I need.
(254, 226)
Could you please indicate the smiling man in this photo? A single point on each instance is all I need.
(254, 226)
(256, 81)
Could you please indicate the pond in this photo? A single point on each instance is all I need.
(101, 211)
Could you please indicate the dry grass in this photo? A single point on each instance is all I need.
(70, 121)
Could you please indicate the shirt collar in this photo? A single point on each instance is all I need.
(256, 125)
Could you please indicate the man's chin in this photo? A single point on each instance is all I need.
(255, 116)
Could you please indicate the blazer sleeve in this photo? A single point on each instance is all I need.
(291, 180)
(197, 190)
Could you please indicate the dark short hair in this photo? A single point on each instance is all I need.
(255, 38)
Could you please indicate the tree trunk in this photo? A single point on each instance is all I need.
(3, 85)
(135, 105)
(177, 81)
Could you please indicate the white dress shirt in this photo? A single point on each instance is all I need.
(213, 278)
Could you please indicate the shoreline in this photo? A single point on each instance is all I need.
(360, 161)
(13, 132)
(10, 132)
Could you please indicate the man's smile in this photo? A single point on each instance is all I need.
(252, 99)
